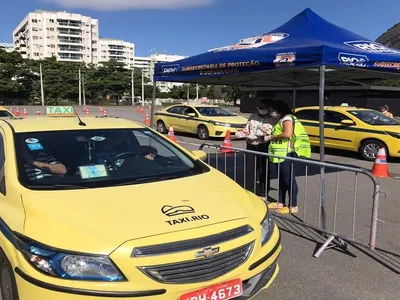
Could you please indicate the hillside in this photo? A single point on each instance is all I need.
(391, 37)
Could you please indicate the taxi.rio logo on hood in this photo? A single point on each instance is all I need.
(371, 47)
(254, 41)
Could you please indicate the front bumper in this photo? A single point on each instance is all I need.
(220, 131)
(256, 276)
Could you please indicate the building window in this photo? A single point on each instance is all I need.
(35, 37)
(51, 20)
(34, 29)
(94, 42)
(51, 29)
(34, 21)
(94, 50)
(35, 54)
(52, 46)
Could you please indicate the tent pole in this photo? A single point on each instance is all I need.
(322, 142)
(294, 99)
(153, 104)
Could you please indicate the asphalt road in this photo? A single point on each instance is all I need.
(337, 275)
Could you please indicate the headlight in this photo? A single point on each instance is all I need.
(221, 124)
(267, 228)
(393, 134)
(69, 266)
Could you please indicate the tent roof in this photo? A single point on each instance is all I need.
(288, 56)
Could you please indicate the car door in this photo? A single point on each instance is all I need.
(310, 120)
(190, 122)
(175, 117)
(338, 135)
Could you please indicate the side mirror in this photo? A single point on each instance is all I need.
(347, 122)
(191, 115)
(199, 154)
(235, 114)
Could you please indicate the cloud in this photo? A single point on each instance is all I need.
(114, 5)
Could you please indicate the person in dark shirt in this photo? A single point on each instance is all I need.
(43, 165)
(258, 126)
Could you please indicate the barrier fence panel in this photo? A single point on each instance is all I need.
(349, 212)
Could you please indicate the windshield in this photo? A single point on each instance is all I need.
(373, 117)
(99, 158)
(214, 112)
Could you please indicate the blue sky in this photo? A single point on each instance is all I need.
(190, 27)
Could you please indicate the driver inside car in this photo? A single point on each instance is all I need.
(39, 164)
(117, 146)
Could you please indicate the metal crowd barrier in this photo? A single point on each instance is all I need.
(313, 211)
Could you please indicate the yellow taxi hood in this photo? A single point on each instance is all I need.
(99, 220)
(230, 120)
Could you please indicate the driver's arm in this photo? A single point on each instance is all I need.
(53, 165)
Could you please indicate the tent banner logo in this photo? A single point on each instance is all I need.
(353, 60)
(371, 47)
(170, 69)
(285, 59)
(254, 42)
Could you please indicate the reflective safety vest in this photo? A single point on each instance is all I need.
(299, 142)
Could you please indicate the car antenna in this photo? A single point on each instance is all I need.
(81, 123)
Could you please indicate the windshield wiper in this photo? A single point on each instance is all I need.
(148, 179)
(57, 187)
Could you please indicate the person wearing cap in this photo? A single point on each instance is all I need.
(385, 110)
(257, 127)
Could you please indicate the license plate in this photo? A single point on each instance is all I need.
(223, 291)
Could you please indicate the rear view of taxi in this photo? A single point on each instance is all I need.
(105, 208)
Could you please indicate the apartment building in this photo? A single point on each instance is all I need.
(67, 36)
(8, 47)
(112, 49)
(147, 65)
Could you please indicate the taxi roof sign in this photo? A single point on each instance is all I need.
(344, 104)
(60, 111)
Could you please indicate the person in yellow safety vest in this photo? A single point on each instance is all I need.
(288, 139)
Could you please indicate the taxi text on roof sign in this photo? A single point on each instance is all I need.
(62, 111)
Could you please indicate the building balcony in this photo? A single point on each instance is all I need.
(68, 25)
(66, 57)
(70, 42)
(69, 32)
(70, 50)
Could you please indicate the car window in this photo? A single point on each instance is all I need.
(99, 158)
(335, 117)
(189, 110)
(4, 114)
(176, 110)
(214, 111)
(308, 114)
(373, 117)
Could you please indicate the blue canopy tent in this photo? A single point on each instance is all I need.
(307, 50)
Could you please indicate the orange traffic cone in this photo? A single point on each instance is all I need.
(138, 108)
(147, 120)
(25, 113)
(101, 110)
(84, 109)
(17, 112)
(87, 112)
(149, 108)
(171, 134)
(38, 112)
(227, 143)
(104, 113)
(380, 168)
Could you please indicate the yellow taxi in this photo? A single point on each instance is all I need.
(203, 120)
(354, 129)
(5, 113)
(105, 208)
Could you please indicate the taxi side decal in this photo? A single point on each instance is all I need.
(182, 117)
(305, 123)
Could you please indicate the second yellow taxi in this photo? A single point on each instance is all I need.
(203, 120)
(354, 129)
(105, 208)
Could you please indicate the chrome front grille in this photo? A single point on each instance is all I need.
(192, 244)
(200, 270)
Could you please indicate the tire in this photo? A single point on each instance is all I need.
(8, 284)
(161, 128)
(369, 149)
(202, 132)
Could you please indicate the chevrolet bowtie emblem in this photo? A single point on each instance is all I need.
(207, 252)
